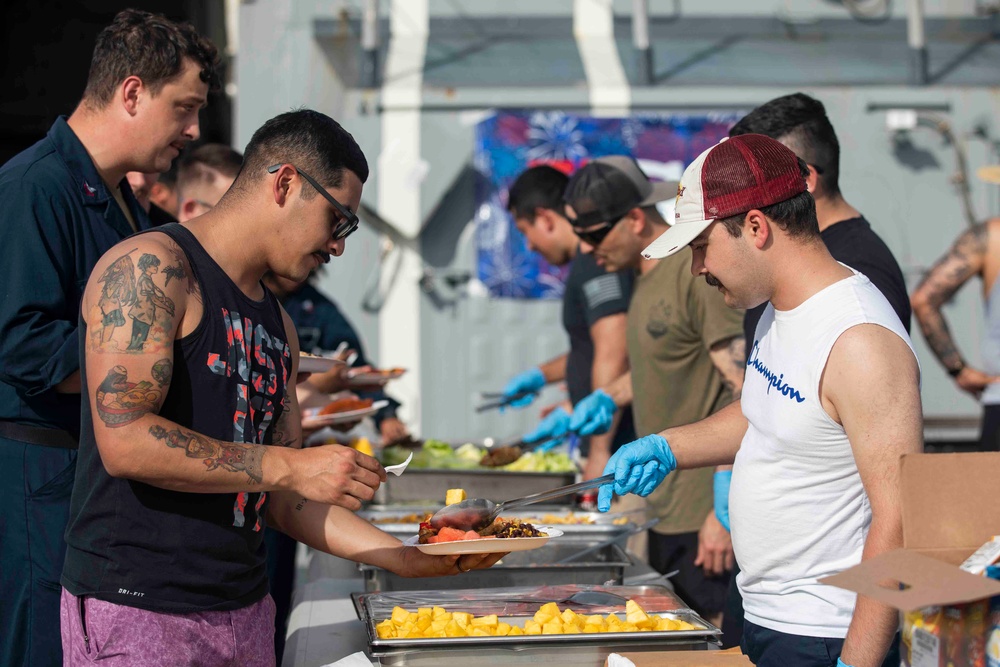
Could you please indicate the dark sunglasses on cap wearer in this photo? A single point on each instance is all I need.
(594, 234)
(348, 219)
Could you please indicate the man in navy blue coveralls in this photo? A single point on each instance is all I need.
(65, 202)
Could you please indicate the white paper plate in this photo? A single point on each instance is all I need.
(490, 545)
(316, 364)
(363, 379)
(311, 419)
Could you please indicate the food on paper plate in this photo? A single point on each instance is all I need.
(501, 528)
(433, 622)
(570, 519)
(346, 405)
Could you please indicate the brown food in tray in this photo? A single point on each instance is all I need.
(500, 456)
(346, 405)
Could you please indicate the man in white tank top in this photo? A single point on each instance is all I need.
(830, 402)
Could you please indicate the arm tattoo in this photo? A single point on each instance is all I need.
(180, 272)
(234, 456)
(948, 274)
(120, 402)
(734, 365)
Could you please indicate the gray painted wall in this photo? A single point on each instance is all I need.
(471, 343)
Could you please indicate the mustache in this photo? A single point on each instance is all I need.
(712, 280)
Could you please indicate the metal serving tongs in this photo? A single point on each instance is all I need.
(477, 513)
(499, 400)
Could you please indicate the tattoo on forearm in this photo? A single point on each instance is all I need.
(733, 367)
(963, 260)
(120, 402)
(302, 503)
(234, 457)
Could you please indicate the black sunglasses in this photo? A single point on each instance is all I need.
(593, 237)
(349, 220)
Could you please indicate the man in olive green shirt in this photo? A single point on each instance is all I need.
(687, 354)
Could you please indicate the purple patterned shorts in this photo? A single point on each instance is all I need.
(95, 631)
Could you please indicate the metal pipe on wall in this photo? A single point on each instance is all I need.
(917, 41)
(640, 41)
(369, 44)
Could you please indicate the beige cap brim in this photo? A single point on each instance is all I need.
(662, 191)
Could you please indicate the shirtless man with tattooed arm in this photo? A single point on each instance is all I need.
(975, 253)
(191, 437)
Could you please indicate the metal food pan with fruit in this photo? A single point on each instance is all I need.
(403, 522)
(524, 568)
(518, 605)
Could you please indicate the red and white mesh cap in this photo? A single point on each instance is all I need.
(736, 175)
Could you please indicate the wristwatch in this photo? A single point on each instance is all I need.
(955, 372)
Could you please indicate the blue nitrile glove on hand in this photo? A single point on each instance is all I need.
(532, 380)
(720, 488)
(553, 429)
(841, 663)
(593, 414)
(639, 467)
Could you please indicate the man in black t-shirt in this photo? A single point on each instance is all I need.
(594, 307)
(800, 123)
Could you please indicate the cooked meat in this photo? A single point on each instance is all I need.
(500, 456)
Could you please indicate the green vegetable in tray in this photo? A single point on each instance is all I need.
(434, 454)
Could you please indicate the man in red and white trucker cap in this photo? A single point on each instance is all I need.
(830, 402)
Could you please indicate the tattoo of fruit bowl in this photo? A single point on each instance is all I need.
(120, 402)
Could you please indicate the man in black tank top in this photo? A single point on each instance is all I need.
(190, 437)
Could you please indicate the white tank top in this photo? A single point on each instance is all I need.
(798, 509)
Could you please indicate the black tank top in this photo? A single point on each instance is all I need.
(143, 546)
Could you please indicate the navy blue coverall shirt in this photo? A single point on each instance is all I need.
(57, 217)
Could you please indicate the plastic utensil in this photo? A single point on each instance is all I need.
(477, 513)
(398, 469)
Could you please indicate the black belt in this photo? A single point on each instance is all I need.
(37, 435)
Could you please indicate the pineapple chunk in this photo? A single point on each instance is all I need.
(437, 612)
(453, 629)
(590, 629)
(385, 629)
(569, 617)
(454, 496)
(570, 629)
(596, 620)
(553, 627)
(423, 611)
(489, 621)
(462, 618)
(503, 629)
(399, 615)
(422, 623)
(479, 632)
(532, 628)
(515, 631)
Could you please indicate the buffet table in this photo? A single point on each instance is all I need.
(324, 626)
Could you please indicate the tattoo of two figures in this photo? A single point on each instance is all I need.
(127, 285)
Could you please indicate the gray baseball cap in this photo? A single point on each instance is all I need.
(607, 188)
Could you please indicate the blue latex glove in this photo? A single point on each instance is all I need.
(593, 414)
(553, 429)
(530, 380)
(639, 467)
(720, 488)
(841, 663)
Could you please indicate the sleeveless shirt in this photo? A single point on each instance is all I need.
(140, 545)
(798, 509)
(991, 345)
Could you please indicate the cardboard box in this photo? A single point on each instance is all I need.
(951, 507)
(729, 658)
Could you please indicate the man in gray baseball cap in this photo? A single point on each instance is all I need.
(686, 353)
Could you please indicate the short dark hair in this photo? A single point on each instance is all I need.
(802, 123)
(199, 164)
(795, 216)
(308, 139)
(537, 187)
(149, 46)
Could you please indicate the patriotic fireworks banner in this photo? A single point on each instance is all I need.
(507, 143)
